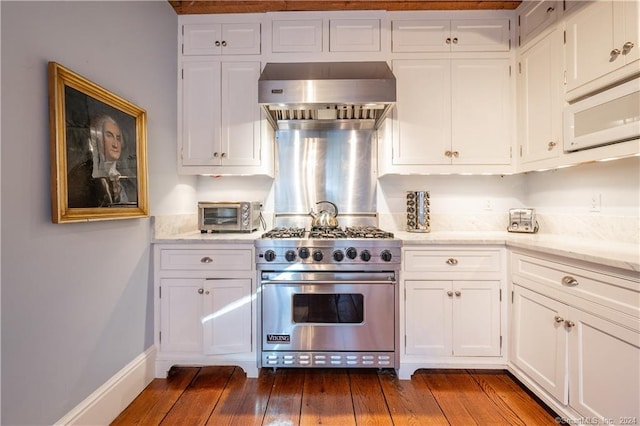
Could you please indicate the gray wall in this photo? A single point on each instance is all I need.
(76, 298)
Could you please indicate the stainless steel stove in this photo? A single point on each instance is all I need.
(329, 297)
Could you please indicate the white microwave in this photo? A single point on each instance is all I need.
(604, 118)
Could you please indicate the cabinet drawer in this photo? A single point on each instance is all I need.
(206, 260)
(612, 291)
(451, 261)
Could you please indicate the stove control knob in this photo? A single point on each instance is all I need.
(338, 255)
(303, 253)
(352, 253)
(386, 255)
(269, 255)
(317, 255)
(290, 255)
(365, 255)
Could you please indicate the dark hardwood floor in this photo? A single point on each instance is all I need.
(225, 396)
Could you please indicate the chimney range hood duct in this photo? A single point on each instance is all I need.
(327, 95)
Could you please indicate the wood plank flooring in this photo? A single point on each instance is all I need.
(225, 396)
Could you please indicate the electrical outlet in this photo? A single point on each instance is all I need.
(596, 203)
(488, 204)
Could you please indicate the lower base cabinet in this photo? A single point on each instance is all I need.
(585, 356)
(205, 310)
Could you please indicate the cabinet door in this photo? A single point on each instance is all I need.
(241, 39)
(590, 42)
(240, 114)
(297, 36)
(181, 315)
(354, 35)
(627, 21)
(227, 320)
(201, 39)
(535, 17)
(481, 35)
(481, 112)
(476, 318)
(428, 318)
(604, 362)
(422, 122)
(540, 106)
(539, 340)
(420, 36)
(200, 113)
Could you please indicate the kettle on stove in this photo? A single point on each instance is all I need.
(324, 218)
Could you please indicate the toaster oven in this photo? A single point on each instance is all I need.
(232, 216)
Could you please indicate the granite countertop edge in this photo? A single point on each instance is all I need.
(609, 253)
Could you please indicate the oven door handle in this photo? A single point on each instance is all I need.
(322, 282)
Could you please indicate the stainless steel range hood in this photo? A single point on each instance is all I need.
(327, 95)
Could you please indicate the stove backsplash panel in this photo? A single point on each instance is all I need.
(333, 165)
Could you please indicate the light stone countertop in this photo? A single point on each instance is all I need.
(618, 255)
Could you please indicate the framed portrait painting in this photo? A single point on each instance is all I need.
(98, 151)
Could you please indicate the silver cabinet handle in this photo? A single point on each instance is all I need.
(458, 293)
(449, 293)
(200, 290)
(452, 261)
(206, 259)
(615, 52)
(551, 145)
(568, 280)
(448, 40)
(558, 319)
(455, 40)
(217, 43)
(569, 324)
(627, 47)
(549, 10)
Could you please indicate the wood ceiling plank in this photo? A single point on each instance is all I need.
(195, 7)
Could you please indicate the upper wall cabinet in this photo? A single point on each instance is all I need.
(318, 33)
(466, 35)
(221, 39)
(602, 45)
(535, 17)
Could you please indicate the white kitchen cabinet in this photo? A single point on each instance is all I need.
(221, 39)
(354, 35)
(539, 89)
(602, 43)
(220, 116)
(297, 35)
(205, 310)
(464, 35)
(576, 335)
(452, 111)
(452, 312)
(452, 318)
(535, 16)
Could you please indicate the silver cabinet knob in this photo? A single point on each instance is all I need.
(558, 319)
(458, 293)
(551, 145)
(448, 40)
(627, 47)
(224, 43)
(206, 259)
(448, 154)
(216, 155)
(615, 52)
(200, 290)
(569, 324)
(549, 10)
(455, 40)
(569, 281)
(224, 154)
(456, 154)
(449, 293)
(217, 43)
(452, 261)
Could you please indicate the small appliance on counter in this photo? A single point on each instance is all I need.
(418, 211)
(229, 216)
(522, 220)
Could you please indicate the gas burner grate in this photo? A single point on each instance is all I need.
(327, 233)
(367, 232)
(284, 232)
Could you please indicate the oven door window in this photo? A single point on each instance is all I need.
(221, 215)
(341, 308)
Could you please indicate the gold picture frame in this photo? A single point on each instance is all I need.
(98, 146)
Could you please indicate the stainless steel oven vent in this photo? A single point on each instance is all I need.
(327, 95)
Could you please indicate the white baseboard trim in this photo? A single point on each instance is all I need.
(110, 399)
